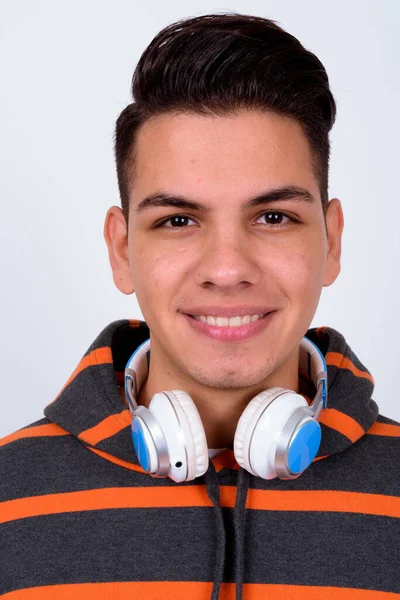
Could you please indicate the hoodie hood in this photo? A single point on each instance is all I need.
(89, 405)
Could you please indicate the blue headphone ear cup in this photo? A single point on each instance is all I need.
(299, 444)
(242, 441)
(194, 434)
(147, 450)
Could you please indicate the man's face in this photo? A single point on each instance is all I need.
(226, 256)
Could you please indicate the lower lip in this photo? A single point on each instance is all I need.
(231, 334)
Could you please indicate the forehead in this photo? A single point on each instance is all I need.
(217, 154)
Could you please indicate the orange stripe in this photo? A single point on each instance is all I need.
(324, 500)
(225, 459)
(384, 429)
(134, 323)
(49, 429)
(333, 418)
(196, 495)
(104, 498)
(336, 359)
(320, 331)
(321, 457)
(195, 590)
(98, 356)
(106, 428)
(117, 461)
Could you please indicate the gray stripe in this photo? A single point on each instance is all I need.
(123, 545)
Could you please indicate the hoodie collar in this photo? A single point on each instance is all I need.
(90, 408)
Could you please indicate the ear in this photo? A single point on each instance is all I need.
(334, 229)
(116, 236)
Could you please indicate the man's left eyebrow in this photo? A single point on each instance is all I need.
(177, 201)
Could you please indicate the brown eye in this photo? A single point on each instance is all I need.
(177, 222)
(276, 217)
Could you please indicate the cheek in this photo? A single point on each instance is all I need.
(300, 272)
(156, 274)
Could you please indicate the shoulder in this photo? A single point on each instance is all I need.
(371, 464)
(21, 443)
(43, 459)
(385, 431)
(381, 443)
(30, 455)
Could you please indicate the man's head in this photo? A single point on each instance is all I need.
(226, 108)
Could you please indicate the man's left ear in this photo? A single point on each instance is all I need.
(334, 226)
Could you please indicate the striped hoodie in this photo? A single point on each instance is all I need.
(80, 519)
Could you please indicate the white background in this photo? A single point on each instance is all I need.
(65, 74)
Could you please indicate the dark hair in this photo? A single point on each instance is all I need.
(218, 64)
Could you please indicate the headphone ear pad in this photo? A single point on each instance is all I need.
(242, 439)
(195, 437)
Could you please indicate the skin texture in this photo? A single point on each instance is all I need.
(224, 257)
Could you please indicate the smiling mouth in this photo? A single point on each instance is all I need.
(229, 322)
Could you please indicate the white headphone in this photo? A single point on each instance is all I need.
(277, 435)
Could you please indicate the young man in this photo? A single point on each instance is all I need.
(219, 448)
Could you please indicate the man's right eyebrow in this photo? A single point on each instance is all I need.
(163, 199)
(177, 201)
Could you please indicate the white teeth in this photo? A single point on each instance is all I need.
(225, 322)
(232, 322)
(219, 321)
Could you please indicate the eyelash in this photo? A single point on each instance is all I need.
(269, 212)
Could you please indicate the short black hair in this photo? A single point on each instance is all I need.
(217, 64)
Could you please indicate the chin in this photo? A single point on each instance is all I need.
(227, 378)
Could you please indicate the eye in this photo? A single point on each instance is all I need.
(178, 222)
(276, 217)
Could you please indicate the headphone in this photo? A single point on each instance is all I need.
(277, 435)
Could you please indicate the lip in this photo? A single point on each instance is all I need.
(230, 334)
(239, 310)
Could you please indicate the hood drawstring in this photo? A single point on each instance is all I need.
(212, 486)
(239, 525)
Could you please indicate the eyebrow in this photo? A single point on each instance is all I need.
(158, 199)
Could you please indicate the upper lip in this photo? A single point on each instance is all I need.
(227, 311)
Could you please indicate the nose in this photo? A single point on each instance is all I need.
(227, 260)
